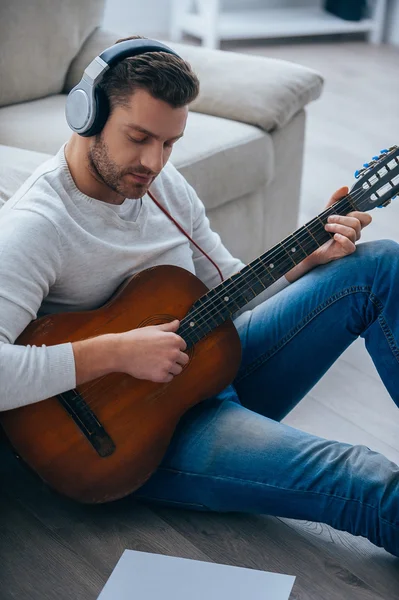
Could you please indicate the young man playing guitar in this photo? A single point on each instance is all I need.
(84, 222)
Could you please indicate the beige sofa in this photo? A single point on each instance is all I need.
(243, 146)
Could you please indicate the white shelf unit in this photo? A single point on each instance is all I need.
(211, 25)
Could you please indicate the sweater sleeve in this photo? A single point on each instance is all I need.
(30, 260)
(211, 243)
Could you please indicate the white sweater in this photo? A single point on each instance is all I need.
(61, 250)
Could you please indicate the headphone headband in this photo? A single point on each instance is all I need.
(118, 52)
(86, 107)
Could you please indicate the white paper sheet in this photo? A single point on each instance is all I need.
(148, 576)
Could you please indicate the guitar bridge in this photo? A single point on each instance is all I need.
(87, 422)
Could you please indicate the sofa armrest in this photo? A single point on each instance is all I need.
(257, 90)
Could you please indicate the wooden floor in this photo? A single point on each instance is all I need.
(52, 549)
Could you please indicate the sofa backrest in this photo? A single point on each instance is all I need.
(38, 40)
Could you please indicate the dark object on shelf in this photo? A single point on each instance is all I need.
(350, 10)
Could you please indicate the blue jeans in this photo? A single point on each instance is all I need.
(231, 453)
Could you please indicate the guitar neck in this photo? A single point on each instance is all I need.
(220, 303)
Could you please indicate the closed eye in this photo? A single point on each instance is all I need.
(136, 141)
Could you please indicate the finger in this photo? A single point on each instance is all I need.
(175, 369)
(169, 326)
(182, 343)
(183, 359)
(351, 222)
(345, 244)
(348, 232)
(338, 195)
(364, 218)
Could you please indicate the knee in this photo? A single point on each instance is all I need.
(387, 247)
(379, 253)
(380, 249)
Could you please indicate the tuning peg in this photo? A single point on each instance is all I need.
(376, 157)
(360, 172)
(387, 202)
(366, 165)
(384, 151)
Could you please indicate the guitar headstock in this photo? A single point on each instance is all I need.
(377, 182)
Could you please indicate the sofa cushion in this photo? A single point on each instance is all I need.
(221, 159)
(38, 42)
(39, 125)
(15, 166)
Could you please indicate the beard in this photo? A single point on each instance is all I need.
(107, 171)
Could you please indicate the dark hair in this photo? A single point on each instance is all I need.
(165, 76)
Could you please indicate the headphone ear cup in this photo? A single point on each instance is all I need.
(101, 114)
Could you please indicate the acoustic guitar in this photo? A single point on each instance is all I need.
(103, 440)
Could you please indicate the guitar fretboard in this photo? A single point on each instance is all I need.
(221, 302)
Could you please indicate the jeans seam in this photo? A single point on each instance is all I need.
(236, 479)
(389, 336)
(385, 327)
(309, 317)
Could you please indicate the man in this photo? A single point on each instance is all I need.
(83, 222)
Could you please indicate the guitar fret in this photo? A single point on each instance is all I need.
(319, 231)
(308, 229)
(269, 267)
(297, 253)
(297, 239)
(255, 275)
(288, 253)
(350, 202)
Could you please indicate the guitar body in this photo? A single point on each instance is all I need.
(138, 417)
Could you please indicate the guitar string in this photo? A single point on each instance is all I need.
(344, 205)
